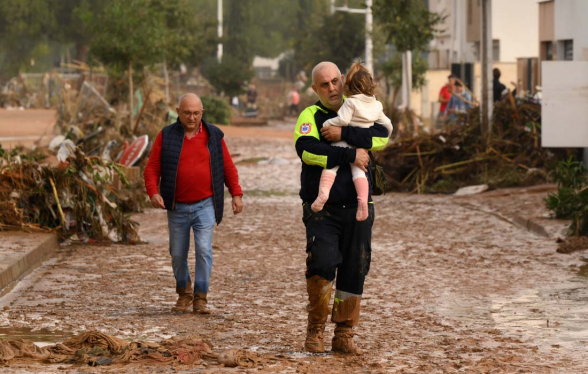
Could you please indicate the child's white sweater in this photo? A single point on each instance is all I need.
(361, 111)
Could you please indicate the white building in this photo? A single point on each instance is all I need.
(563, 40)
(515, 29)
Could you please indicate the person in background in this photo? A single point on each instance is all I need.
(252, 97)
(294, 99)
(498, 88)
(444, 97)
(460, 101)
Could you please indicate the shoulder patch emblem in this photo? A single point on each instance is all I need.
(305, 128)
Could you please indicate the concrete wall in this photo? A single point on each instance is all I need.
(564, 111)
(516, 25)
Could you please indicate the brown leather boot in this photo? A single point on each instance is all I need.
(319, 297)
(345, 315)
(200, 303)
(184, 299)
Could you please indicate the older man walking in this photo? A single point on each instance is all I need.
(338, 246)
(186, 174)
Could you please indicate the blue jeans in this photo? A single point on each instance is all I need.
(201, 219)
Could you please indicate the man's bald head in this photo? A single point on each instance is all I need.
(325, 65)
(190, 111)
(327, 82)
(189, 97)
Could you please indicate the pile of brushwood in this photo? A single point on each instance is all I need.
(74, 199)
(463, 155)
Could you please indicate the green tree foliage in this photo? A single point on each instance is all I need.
(129, 33)
(392, 70)
(71, 23)
(189, 31)
(23, 26)
(407, 24)
(216, 110)
(339, 38)
(571, 198)
(229, 75)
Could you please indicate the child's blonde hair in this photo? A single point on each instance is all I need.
(359, 81)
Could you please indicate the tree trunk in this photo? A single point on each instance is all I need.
(166, 77)
(81, 52)
(131, 95)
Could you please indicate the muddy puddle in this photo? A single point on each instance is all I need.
(551, 317)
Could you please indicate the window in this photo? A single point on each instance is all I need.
(568, 50)
(495, 50)
(547, 51)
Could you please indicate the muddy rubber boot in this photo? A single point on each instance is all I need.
(319, 296)
(345, 315)
(185, 298)
(325, 184)
(343, 341)
(200, 304)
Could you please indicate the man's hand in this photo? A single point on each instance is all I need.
(331, 133)
(237, 204)
(362, 159)
(157, 201)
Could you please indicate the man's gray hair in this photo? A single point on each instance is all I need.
(321, 66)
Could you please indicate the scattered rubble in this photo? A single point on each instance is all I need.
(75, 199)
(97, 349)
(461, 156)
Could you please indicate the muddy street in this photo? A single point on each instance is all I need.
(452, 286)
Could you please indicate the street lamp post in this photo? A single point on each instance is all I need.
(369, 62)
(219, 49)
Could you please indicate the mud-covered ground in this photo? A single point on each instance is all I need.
(453, 287)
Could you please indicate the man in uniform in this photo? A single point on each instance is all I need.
(338, 246)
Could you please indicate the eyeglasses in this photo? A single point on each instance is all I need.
(189, 114)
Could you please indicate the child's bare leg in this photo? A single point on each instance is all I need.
(327, 179)
(362, 188)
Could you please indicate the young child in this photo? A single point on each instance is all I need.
(360, 109)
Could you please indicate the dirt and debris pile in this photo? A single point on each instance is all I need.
(75, 199)
(462, 156)
(96, 349)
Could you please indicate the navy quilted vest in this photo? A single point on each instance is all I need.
(172, 137)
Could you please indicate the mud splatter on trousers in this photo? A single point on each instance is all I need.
(338, 246)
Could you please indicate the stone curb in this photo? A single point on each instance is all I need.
(529, 225)
(515, 220)
(28, 261)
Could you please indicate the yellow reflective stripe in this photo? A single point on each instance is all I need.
(306, 125)
(378, 144)
(312, 159)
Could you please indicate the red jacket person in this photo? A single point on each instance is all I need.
(186, 174)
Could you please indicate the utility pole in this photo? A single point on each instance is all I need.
(486, 65)
(406, 78)
(369, 59)
(219, 47)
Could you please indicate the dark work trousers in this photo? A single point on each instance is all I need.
(339, 245)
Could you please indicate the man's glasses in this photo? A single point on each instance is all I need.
(189, 114)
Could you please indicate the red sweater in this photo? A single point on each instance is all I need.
(194, 181)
